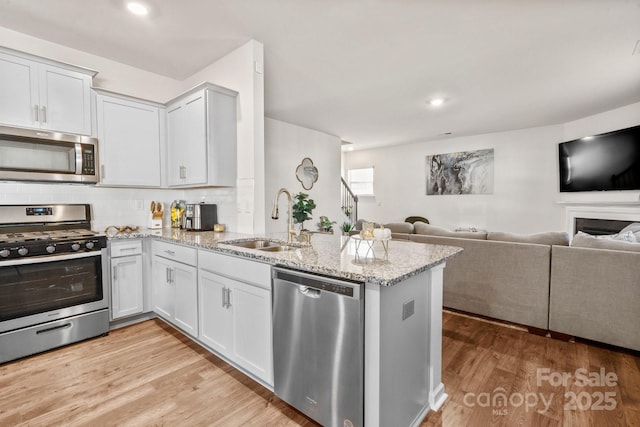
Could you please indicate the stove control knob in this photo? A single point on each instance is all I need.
(51, 249)
(23, 251)
(4, 253)
(89, 245)
(75, 246)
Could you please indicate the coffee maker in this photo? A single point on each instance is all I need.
(199, 217)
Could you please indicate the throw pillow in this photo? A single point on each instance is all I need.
(633, 229)
(584, 240)
(627, 236)
(598, 236)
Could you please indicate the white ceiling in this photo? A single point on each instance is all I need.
(363, 69)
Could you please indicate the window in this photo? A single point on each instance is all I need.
(361, 181)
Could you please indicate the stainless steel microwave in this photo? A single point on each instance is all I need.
(36, 155)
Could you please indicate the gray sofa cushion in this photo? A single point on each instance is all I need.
(595, 294)
(548, 238)
(401, 236)
(583, 240)
(400, 227)
(422, 228)
(503, 280)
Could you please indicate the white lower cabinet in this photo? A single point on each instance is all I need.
(127, 296)
(235, 311)
(175, 285)
(251, 313)
(224, 303)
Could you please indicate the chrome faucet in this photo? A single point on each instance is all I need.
(274, 213)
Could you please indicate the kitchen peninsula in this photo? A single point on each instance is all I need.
(402, 316)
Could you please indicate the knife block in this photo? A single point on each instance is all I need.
(154, 221)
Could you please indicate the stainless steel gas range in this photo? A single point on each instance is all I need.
(52, 291)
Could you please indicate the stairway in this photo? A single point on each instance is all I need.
(349, 203)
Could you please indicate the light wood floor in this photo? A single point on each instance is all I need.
(151, 375)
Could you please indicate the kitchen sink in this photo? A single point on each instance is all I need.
(262, 245)
(255, 244)
(277, 248)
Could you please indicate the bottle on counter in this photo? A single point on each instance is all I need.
(177, 207)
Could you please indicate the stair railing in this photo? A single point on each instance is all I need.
(349, 202)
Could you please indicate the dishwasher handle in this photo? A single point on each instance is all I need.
(308, 282)
(309, 292)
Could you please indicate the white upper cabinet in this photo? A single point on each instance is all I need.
(202, 138)
(38, 94)
(18, 91)
(130, 132)
(187, 127)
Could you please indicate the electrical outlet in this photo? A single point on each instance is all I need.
(139, 204)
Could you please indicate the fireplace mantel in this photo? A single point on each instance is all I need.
(622, 211)
(599, 203)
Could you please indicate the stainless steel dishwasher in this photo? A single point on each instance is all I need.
(318, 345)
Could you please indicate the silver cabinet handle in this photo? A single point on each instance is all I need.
(167, 275)
(44, 114)
(172, 275)
(226, 297)
(116, 298)
(168, 252)
(35, 113)
(102, 168)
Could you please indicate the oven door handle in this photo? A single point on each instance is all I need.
(53, 258)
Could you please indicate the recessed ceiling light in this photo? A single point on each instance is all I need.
(436, 102)
(137, 8)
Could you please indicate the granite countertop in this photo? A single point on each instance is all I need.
(337, 256)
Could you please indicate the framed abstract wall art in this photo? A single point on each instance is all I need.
(465, 172)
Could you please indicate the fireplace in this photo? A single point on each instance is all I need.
(599, 219)
(597, 226)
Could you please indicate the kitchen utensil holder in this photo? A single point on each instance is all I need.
(154, 222)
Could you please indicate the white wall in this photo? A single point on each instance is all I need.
(525, 197)
(285, 147)
(237, 207)
(241, 70)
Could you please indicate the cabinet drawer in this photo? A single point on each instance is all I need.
(179, 253)
(245, 270)
(125, 248)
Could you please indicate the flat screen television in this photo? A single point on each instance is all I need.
(609, 161)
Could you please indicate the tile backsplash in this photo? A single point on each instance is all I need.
(120, 206)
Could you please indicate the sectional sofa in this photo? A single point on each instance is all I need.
(589, 289)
